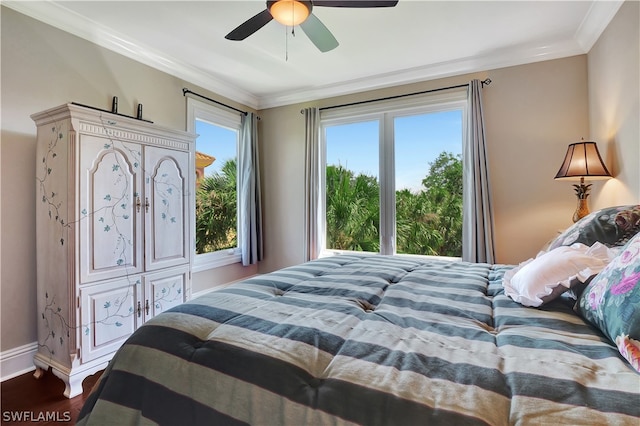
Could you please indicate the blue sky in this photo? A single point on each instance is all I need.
(217, 141)
(419, 139)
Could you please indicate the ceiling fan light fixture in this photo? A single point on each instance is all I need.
(290, 12)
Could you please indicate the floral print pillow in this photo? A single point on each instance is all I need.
(611, 301)
(611, 226)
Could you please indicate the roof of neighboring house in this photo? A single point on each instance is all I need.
(203, 160)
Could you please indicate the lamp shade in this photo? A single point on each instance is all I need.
(583, 161)
(290, 12)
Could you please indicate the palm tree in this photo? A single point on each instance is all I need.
(416, 229)
(353, 217)
(428, 222)
(216, 212)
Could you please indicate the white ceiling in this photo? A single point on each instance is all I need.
(416, 40)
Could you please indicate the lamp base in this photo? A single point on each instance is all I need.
(582, 210)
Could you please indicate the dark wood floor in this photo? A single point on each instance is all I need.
(41, 399)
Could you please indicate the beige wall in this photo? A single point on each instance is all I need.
(43, 67)
(614, 106)
(532, 112)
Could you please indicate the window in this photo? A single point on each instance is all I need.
(216, 200)
(393, 177)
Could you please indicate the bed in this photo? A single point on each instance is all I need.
(373, 340)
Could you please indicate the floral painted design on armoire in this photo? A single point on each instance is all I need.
(114, 240)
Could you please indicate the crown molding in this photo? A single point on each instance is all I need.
(517, 55)
(593, 25)
(595, 22)
(60, 17)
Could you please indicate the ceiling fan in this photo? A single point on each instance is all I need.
(297, 12)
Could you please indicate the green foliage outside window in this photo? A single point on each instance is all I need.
(216, 212)
(428, 222)
(353, 217)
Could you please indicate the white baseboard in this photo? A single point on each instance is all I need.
(17, 361)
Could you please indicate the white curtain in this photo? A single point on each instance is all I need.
(249, 202)
(312, 183)
(477, 228)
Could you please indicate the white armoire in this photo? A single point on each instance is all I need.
(113, 225)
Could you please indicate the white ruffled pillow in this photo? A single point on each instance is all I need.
(538, 281)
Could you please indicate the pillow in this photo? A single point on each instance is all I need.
(611, 226)
(611, 301)
(540, 280)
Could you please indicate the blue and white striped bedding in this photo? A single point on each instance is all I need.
(364, 339)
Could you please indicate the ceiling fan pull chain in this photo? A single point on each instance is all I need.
(292, 27)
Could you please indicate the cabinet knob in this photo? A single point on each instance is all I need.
(138, 204)
(146, 307)
(139, 310)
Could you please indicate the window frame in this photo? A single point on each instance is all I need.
(198, 110)
(385, 112)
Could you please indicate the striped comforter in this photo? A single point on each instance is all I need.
(358, 339)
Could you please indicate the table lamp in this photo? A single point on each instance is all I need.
(582, 162)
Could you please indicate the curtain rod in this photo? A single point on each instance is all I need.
(185, 91)
(484, 82)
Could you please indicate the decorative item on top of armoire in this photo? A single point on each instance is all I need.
(582, 161)
(113, 226)
(114, 110)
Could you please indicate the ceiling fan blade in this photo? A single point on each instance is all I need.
(319, 34)
(250, 26)
(355, 3)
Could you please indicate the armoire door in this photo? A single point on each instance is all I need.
(166, 183)
(110, 312)
(164, 289)
(110, 204)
